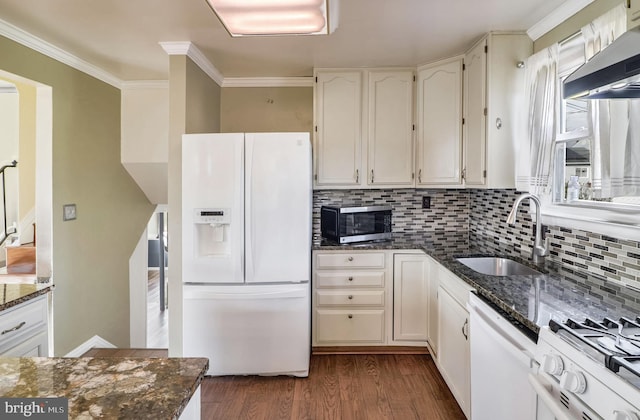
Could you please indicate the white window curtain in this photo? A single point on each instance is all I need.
(541, 90)
(615, 156)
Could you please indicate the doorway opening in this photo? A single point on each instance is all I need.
(157, 280)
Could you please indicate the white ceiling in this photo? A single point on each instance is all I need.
(121, 36)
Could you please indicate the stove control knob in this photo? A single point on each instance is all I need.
(624, 415)
(573, 381)
(552, 364)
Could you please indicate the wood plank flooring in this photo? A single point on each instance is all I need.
(340, 387)
(157, 321)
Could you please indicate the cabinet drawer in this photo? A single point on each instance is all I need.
(355, 326)
(350, 260)
(22, 318)
(349, 298)
(349, 279)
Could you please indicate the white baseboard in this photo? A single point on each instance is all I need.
(95, 341)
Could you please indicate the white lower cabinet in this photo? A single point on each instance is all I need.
(410, 297)
(453, 355)
(369, 298)
(24, 329)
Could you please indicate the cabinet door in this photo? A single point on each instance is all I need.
(633, 14)
(390, 128)
(338, 140)
(410, 297)
(475, 109)
(453, 355)
(36, 345)
(439, 116)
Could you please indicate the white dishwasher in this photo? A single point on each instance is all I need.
(502, 358)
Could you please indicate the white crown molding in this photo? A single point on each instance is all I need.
(24, 38)
(555, 18)
(145, 84)
(95, 341)
(191, 51)
(267, 82)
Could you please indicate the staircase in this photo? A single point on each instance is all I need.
(21, 259)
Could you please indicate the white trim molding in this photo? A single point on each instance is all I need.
(190, 50)
(95, 341)
(232, 82)
(555, 18)
(24, 38)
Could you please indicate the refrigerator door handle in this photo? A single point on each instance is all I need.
(248, 211)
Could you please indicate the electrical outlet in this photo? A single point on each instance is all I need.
(426, 202)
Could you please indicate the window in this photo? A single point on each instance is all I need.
(573, 145)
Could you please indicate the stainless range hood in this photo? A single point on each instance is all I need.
(613, 73)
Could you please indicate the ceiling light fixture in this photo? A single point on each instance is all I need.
(276, 17)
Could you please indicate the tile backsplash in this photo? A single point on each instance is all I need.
(614, 258)
(449, 208)
(484, 213)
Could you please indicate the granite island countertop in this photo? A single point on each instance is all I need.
(12, 294)
(131, 388)
(529, 301)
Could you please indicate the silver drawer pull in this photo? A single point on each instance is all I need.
(16, 328)
(350, 278)
(350, 297)
(350, 258)
(350, 316)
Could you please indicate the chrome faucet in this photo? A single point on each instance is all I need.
(539, 248)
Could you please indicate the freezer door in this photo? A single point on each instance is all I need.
(249, 329)
(212, 208)
(278, 207)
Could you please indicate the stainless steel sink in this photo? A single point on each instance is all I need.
(494, 266)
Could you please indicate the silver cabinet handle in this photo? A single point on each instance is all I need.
(464, 174)
(350, 258)
(350, 316)
(357, 176)
(350, 297)
(420, 175)
(350, 278)
(464, 329)
(372, 176)
(16, 328)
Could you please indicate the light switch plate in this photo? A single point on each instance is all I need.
(69, 212)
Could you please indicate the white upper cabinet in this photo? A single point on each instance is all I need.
(390, 129)
(439, 118)
(493, 94)
(364, 128)
(338, 129)
(633, 13)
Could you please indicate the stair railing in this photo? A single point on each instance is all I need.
(5, 233)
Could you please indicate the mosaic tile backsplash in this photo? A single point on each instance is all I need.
(614, 258)
(449, 208)
(484, 213)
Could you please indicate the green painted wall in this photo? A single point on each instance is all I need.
(90, 254)
(267, 109)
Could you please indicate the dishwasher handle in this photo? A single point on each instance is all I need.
(546, 396)
(523, 355)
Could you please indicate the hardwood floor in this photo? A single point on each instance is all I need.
(157, 321)
(338, 387)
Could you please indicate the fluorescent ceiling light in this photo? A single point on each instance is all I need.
(276, 17)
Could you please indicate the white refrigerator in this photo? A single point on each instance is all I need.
(246, 252)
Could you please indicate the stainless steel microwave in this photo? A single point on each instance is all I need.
(348, 224)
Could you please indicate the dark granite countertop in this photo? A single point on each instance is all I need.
(111, 387)
(12, 294)
(529, 301)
